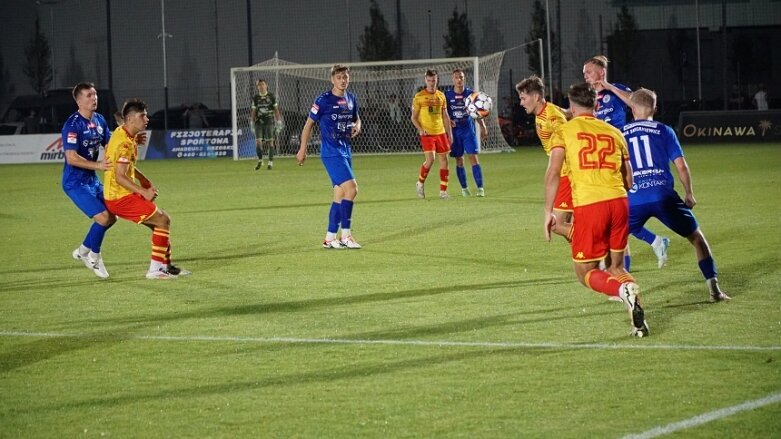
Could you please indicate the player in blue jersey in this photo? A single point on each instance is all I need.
(613, 108)
(336, 113)
(464, 136)
(83, 134)
(652, 146)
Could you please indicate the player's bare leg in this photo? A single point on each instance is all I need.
(616, 281)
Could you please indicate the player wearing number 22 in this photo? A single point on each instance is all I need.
(129, 193)
(600, 174)
(652, 146)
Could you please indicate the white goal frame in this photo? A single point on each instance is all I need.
(362, 74)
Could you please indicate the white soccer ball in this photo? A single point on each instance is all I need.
(478, 105)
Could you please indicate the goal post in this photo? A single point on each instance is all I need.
(384, 92)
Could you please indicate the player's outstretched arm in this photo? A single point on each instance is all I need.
(357, 125)
(448, 127)
(416, 122)
(125, 181)
(626, 173)
(686, 181)
(306, 133)
(74, 159)
(555, 162)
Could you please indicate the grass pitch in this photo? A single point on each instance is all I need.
(456, 319)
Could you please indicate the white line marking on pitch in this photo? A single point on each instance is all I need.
(477, 344)
(706, 417)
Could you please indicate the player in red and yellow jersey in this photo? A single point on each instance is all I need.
(547, 117)
(600, 174)
(429, 115)
(129, 194)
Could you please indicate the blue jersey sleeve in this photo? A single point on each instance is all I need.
(71, 134)
(356, 113)
(317, 108)
(106, 131)
(673, 145)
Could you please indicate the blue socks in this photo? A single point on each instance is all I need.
(461, 173)
(707, 267)
(94, 238)
(627, 262)
(645, 235)
(334, 216)
(477, 173)
(347, 213)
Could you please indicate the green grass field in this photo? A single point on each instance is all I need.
(456, 319)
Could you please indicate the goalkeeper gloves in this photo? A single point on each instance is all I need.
(278, 127)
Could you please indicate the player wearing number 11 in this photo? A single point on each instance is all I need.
(600, 174)
(652, 146)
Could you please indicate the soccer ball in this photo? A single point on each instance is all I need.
(478, 105)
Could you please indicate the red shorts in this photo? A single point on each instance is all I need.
(563, 201)
(435, 143)
(599, 228)
(133, 207)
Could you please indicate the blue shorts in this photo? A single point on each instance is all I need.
(339, 169)
(464, 142)
(671, 211)
(87, 198)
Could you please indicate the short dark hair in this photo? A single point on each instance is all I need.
(431, 72)
(458, 71)
(532, 84)
(81, 86)
(260, 80)
(582, 95)
(339, 68)
(134, 105)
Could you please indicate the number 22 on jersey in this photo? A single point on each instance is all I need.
(598, 148)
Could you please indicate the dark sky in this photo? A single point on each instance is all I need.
(210, 36)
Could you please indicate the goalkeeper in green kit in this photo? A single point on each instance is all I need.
(266, 121)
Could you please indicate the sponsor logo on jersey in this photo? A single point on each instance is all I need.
(73, 138)
(315, 108)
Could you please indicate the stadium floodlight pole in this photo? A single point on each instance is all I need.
(550, 66)
(542, 61)
(429, 34)
(349, 33)
(50, 4)
(164, 35)
(699, 60)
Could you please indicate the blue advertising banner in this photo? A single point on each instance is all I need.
(198, 143)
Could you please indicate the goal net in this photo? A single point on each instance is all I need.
(384, 91)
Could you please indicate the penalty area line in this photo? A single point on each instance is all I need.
(428, 343)
(706, 417)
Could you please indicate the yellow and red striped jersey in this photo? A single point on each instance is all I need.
(546, 122)
(122, 148)
(430, 107)
(595, 152)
